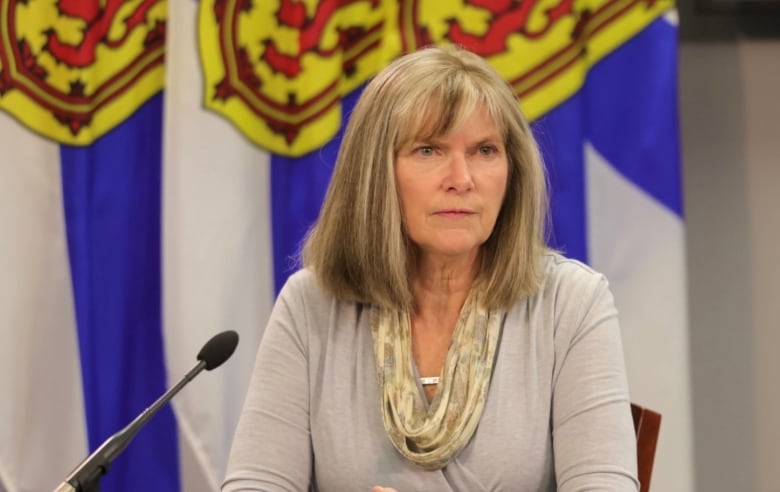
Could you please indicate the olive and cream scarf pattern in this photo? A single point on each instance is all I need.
(431, 437)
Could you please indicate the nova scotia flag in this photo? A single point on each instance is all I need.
(613, 156)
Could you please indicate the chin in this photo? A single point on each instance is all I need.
(454, 250)
(451, 246)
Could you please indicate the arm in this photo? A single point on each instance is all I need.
(593, 435)
(271, 450)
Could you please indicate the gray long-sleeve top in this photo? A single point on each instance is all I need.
(557, 416)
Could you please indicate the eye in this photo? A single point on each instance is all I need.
(488, 150)
(424, 150)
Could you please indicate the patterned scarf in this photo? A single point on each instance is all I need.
(432, 437)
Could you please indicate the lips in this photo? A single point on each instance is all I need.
(455, 213)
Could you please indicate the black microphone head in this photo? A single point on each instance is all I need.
(218, 349)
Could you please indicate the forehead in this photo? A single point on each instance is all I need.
(434, 120)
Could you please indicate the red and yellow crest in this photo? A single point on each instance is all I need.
(73, 69)
(278, 68)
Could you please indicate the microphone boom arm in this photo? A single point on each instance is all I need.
(86, 477)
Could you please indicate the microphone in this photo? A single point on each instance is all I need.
(86, 476)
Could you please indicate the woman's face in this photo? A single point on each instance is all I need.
(451, 187)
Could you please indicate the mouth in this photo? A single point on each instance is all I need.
(455, 213)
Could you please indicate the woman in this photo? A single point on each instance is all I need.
(432, 341)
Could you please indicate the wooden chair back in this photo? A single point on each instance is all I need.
(647, 425)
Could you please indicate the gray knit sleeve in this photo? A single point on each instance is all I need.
(271, 449)
(593, 436)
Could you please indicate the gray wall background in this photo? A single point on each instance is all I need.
(729, 110)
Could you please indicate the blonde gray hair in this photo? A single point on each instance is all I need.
(358, 247)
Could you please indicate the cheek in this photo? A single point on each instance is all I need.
(498, 187)
(410, 193)
(497, 198)
(407, 202)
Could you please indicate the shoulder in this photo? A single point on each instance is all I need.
(570, 290)
(560, 269)
(318, 320)
(569, 276)
(301, 280)
(305, 299)
(303, 285)
(300, 299)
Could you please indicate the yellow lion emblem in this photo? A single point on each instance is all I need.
(278, 69)
(71, 70)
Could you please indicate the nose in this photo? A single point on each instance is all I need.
(458, 173)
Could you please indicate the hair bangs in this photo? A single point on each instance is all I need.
(433, 113)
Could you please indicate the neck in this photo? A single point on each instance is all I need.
(440, 286)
